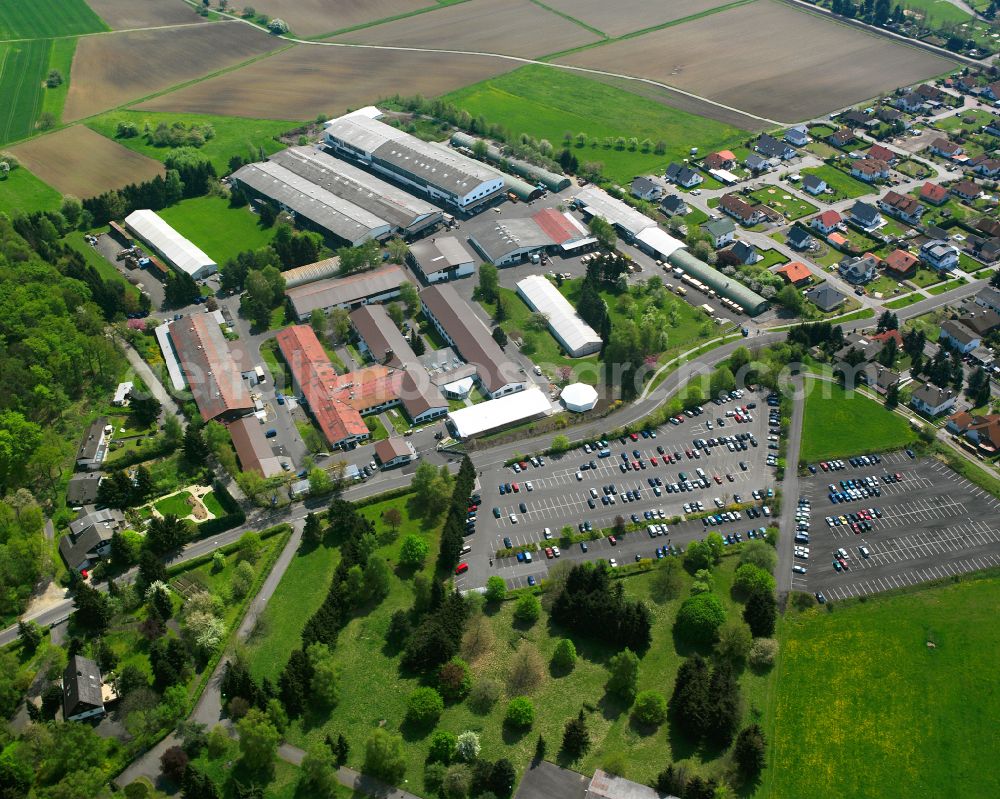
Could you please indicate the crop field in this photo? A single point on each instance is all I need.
(22, 71)
(545, 103)
(626, 16)
(338, 79)
(83, 163)
(220, 230)
(22, 191)
(121, 14)
(318, 17)
(890, 697)
(838, 423)
(111, 70)
(512, 27)
(39, 19)
(233, 135)
(768, 59)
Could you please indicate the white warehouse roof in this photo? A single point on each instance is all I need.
(180, 252)
(660, 242)
(576, 336)
(501, 412)
(598, 202)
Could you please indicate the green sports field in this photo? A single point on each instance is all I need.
(864, 708)
(222, 232)
(546, 103)
(39, 19)
(839, 423)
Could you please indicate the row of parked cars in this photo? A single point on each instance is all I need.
(854, 490)
(860, 522)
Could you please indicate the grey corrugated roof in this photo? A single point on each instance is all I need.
(442, 252)
(345, 290)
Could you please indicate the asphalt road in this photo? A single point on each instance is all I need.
(790, 489)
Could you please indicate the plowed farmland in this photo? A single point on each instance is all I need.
(318, 17)
(625, 16)
(512, 27)
(78, 161)
(307, 80)
(770, 60)
(120, 14)
(113, 69)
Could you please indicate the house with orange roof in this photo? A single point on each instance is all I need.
(796, 273)
(933, 193)
(901, 264)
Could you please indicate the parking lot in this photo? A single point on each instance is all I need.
(557, 497)
(929, 524)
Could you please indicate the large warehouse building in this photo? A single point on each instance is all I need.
(211, 372)
(496, 414)
(441, 173)
(170, 245)
(469, 337)
(348, 292)
(575, 336)
(509, 241)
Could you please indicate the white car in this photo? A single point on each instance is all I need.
(614, 563)
(765, 510)
(579, 476)
(517, 468)
(864, 552)
(593, 492)
(513, 518)
(555, 551)
(528, 485)
(547, 533)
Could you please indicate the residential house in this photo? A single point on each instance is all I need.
(930, 94)
(826, 297)
(683, 175)
(870, 169)
(988, 167)
(933, 193)
(826, 222)
(910, 102)
(901, 264)
(757, 164)
(94, 446)
(796, 273)
(879, 377)
(902, 206)
(983, 248)
(841, 137)
(882, 153)
(82, 488)
(983, 431)
(890, 116)
(646, 188)
(958, 336)
(940, 255)
(814, 185)
(89, 538)
(987, 226)
(674, 205)
(854, 119)
(799, 238)
(981, 322)
(721, 231)
(840, 241)
(83, 690)
(982, 356)
(932, 401)
(724, 159)
(865, 216)
(740, 209)
(797, 136)
(988, 297)
(945, 148)
(393, 451)
(743, 253)
(770, 147)
(992, 91)
(859, 271)
(966, 190)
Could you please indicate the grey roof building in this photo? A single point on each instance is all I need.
(346, 292)
(89, 538)
(799, 238)
(82, 488)
(826, 297)
(441, 258)
(83, 693)
(94, 446)
(673, 204)
(508, 241)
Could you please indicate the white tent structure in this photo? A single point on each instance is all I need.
(180, 253)
(494, 414)
(576, 336)
(579, 397)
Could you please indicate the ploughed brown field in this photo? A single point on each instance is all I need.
(120, 14)
(112, 69)
(511, 27)
(78, 161)
(318, 17)
(769, 59)
(624, 16)
(308, 80)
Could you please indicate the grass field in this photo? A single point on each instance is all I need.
(61, 58)
(220, 230)
(790, 206)
(233, 135)
(943, 287)
(45, 18)
(839, 423)
(841, 183)
(176, 504)
(545, 104)
(22, 191)
(858, 684)
(23, 66)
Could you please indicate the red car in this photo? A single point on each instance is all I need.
(515, 487)
(613, 540)
(548, 552)
(634, 436)
(652, 459)
(524, 466)
(461, 568)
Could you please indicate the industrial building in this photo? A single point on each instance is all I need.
(597, 202)
(441, 173)
(211, 372)
(441, 258)
(504, 242)
(252, 447)
(407, 214)
(574, 335)
(564, 229)
(462, 329)
(311, 205)
(348, 292)
(170, 245)
(310, 273)
(496, 414)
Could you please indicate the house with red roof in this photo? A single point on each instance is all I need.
(902, 206)
(723, 159)
(827, 222)
(796, 273)
(933, 193)
(901, 264)
(882, 153)
(870, 169)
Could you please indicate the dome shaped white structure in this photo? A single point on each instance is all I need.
(579, 397)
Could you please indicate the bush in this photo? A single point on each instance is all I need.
(413, 551)
(434, 777)
(734, 642)
(763, 651)
(484, 695)
(424, 706)
(650, 708)
(496, 589)
(760, 554)
(564, 657)
(468, 746)
(749, 578)
(614, 763)
(454, 679)
(520, 713)
(528, 609)
(442, 747)
(699, 619)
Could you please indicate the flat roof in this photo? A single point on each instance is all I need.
(658, 240)
(500, 412)
(400, 208)
(599, 203)
(155, 231)
(561, 227)
(505, 237)
(209, 367)
(575, 334)
(345, 290)
(252, 448)
(341, 217)
(440, 252)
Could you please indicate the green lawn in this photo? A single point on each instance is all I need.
(177, 505)
(771, 258)
(943, 287)
(22, 191)
(545, 103)
(233, 135)
(23, 66)
(61, 58)
(791, 208)
(885, 285)
(925, 277)
(45, 18)
(913, 169)
(212, 504)
(840, 182)
(218, 229)
(379, 432)
(839, 423)
(858, 684)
